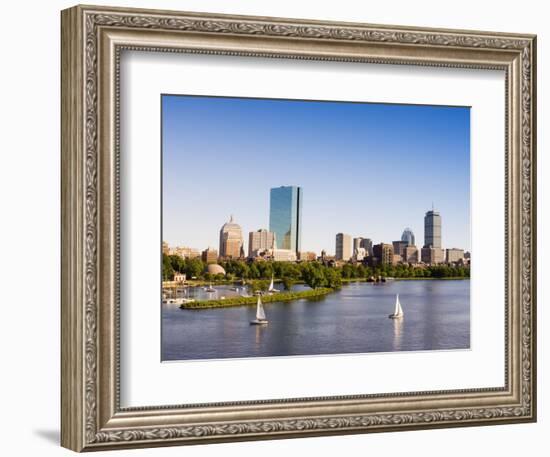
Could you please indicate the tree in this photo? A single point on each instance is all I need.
(253, 271)
(333, 278)
(288, 282)
(259, 285)
(194, 268)
(167, 269)
(313, 276)
(265, 269)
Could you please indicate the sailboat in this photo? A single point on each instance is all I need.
(260, 314)
(272, 287)
(398, 311)
(210, 288)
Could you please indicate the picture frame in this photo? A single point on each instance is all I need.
(93, 39)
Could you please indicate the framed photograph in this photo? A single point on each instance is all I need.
(275, 228)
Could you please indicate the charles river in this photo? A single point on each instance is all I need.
(351, 320)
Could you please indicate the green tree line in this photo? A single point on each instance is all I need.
(314, 274)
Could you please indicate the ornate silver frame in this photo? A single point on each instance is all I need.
(92, 40)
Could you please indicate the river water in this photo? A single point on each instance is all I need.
(352, 320)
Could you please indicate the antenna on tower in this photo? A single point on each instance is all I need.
(432, 206)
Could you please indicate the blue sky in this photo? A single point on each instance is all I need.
(368, 170)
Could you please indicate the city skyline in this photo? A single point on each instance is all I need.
(346, 244)
(264, 144)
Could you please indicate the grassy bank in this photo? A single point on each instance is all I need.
(240, 301)
(454, 278)
(418, 278)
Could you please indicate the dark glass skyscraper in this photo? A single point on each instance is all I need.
(285, 216)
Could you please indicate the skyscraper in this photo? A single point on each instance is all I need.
(432, 230)
(231, 240)
(285, 216)
(408, 236)
(343, 246)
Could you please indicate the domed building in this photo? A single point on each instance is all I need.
(215, 269)
(231, 240)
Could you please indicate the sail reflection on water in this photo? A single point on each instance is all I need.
(397, 333)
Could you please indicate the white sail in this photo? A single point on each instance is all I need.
(398, 311)
(271, 287)
(260, 314)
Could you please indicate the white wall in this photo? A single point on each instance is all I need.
(29, 227)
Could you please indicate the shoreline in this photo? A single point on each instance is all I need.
(447, 278)
(429, 278)
(286, 296)
(238, 282)
(249, 301)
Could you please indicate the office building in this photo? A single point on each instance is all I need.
(184, 252)
(367, 244)
(260, 240)
(209, 255)
(399, 246)
(231, 240)
(432, 256)
(359, 254)
(343, 247)
(285, 217)
(410, 254)
(454, 255)
(384, 253)
(283, 255)
(432, 230)
(357, 243)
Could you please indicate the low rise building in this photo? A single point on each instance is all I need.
(384, 253)
(209, 255)
(185, 252)
(179, 277)
(399, 246)
(432, 256)
(410, 254)
(283, 255)
(307, 256)
(454, 255)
